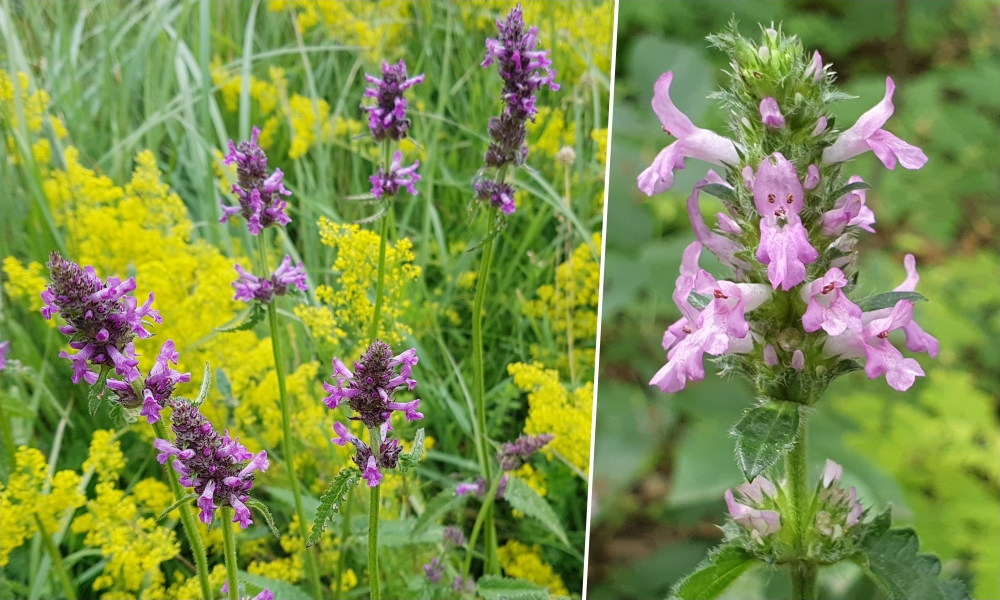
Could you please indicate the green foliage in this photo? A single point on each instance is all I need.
(525, 499)
(331, 501)
(492, 587)
(718, 571)
(887, 300)
(764, 435)
(890, 557)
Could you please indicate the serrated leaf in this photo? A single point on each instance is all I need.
(265, 512)
(521, 497)
(96, 393)
(436, 509)
(411, 459)
(720, 191)
(331, 500)
(493, 587)
(120, 416)
(206, 385)
(167, 510)
(887, 300)
(850, 187)
(890, 558)
(764, 435)
(718, 571)
(244, 321)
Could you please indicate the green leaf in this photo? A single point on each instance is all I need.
(281, 589)
(96, 393)
(167, 510)
(850, 187)
(887, 300)
(438, 506)
(889, 556)
(265, 512)
(331, 500)
(411, 459)
(720, 191)
(719, 570)
(206, 385)
(523, 498)
(492, 587)
(244, 321)
(764, 435)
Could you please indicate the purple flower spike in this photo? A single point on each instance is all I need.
(500, 195)
(259, 193)
(692, 142)
(770, 114)
(434, 570)
(250, 288)
(101, 318)
(867, 134)
(211, 464)
(156, 389)
(784, 242)
(369, 389)
(371, 473)
(387, 184)
(828, 307)
(513, 454)
(387, 118)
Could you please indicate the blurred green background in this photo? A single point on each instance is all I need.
(663, 461)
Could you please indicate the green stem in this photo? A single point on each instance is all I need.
(229, 546)
(479, 391)
(57, 561)
(487, 507)
(803, 570)
(187, 519)
(380, 285)
(286, 431)
(373, 577)
(345, 531)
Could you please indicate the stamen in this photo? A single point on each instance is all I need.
(720, 296)
(770, 198)
(789, 199)
(828, 288)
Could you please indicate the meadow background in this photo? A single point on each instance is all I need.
(113, 122)
(663, 461)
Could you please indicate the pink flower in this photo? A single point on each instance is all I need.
(828, 307)
(831, 473)
(849, 210)
(692, 142)
(917, 340)
(784, 242)
(721, 246)
(867, 134)
(815, 68)
(770, 114)
(763, 522)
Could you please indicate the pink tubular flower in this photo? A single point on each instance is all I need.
(770, 114)
(828, 307)
(831, 473)
(784, 242)
(849, 210)
(258, 193)
(721, 246)
(867, 134)
(250, 288)
(917, 340)
(388, 183)
(692, 142)
(815, 68)
(761, 522)
(157, 387)
(719, 328)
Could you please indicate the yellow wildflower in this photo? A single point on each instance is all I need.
(550, 131)
(307, 117)
(106, 457)
(367, 24)
(25, 282)
(600, 137)
(523, 562)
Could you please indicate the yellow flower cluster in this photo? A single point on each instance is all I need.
(600, 138)
(578, 33)
(30, 494)
(24, 282)
(372, 25)
(524, 562)
(124, 526)
(555, 409)
(341, 317)
(550, 132)
(22, 108)
(570, 306)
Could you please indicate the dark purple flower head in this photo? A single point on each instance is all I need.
(454, 535)
(369, 389)
(513, 454)
(387, 118)
(219, 468)
(524, 71)
(387, 184)
(434, 570)
(157, 387)
(102, 320)
(500, 195)
(250, 288)
(259, 193)
(368, 463)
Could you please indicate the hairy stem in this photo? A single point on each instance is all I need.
(229, 547)
(57, 561)
(286, 430)
(803, 570)
(187, 519)
(373, 576)
(380, 285)
(345, 531)
(485, 509)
